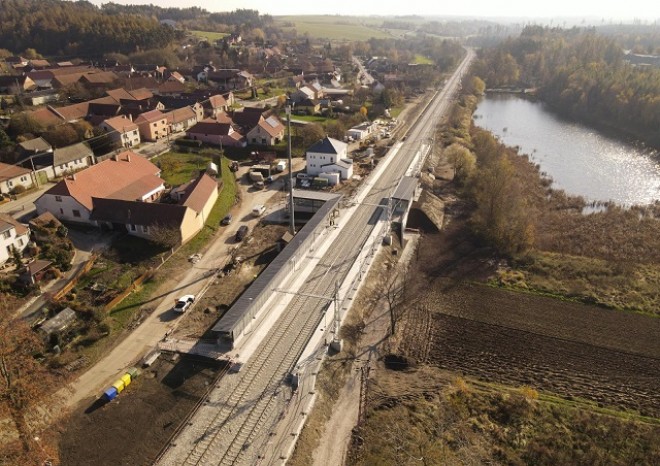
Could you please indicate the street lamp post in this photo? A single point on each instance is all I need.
(292, 224)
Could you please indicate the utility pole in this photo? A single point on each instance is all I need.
(292, 222)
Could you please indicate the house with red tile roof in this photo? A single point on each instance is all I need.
(215, 104)
(122, 130)
(151, 221)
(180, 119)
(214, 132)
(268, 132)
(128, 176)
(153, 125)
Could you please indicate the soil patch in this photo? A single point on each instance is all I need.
(140, 421)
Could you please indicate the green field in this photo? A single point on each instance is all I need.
(340, 28)
(209, 35)
(422, 60)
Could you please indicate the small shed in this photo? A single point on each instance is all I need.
(35, 270)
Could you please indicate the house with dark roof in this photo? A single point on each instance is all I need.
(152, 221)
(268, 132)
(13, 234)
(127, 176)
(213, 132)
(329, 156)
(12, 176)
(249, 117)
(52, 164)
(34, 146)
(73, 158)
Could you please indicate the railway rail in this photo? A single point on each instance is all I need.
(241, 410)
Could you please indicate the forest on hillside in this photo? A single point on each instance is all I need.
(580, 73)
(80, 29)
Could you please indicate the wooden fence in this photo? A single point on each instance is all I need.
(74, 280)
(121, 296)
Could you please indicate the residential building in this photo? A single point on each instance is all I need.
(181, 119)
(153, 221)
(13, 234)
(122, 130)
(71, 159)
(213, 132)
(268, 132)
(329, 156)
(12, 176)
(127, 176)
(34, 146)
(361, 131)
(152, 125)
(215, 104)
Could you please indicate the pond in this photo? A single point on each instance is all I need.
(580, 160)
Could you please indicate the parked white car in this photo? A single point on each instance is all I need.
(258, 210)
(183, 303)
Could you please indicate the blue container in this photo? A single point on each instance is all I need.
(110, 393)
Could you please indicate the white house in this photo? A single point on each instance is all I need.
(12, 176)
(122, 130)
(361, 131)
(12, 234)
(329, 156)
(72, 158)
(127, 176)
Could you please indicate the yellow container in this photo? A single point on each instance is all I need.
(119, 385)
(126, 378)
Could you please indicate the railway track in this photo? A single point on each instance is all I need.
(241, 410)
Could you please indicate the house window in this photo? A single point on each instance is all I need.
(58, 198)
(6, 234)
(133, 227)
(61, 211)
(76, 213)
(20, 241)
(263, 141)
(9, 250)
(145, 229)
(10, 184)
(154, 125)
(254, 140)
(23, 178)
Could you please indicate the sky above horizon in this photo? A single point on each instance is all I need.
(645, 10)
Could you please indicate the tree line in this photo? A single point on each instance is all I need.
(55, 27)
(580, 73)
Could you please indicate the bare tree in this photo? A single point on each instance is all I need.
(164, 235)
(394, 293)
(23, 379)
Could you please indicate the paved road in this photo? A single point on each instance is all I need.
(233, 426)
